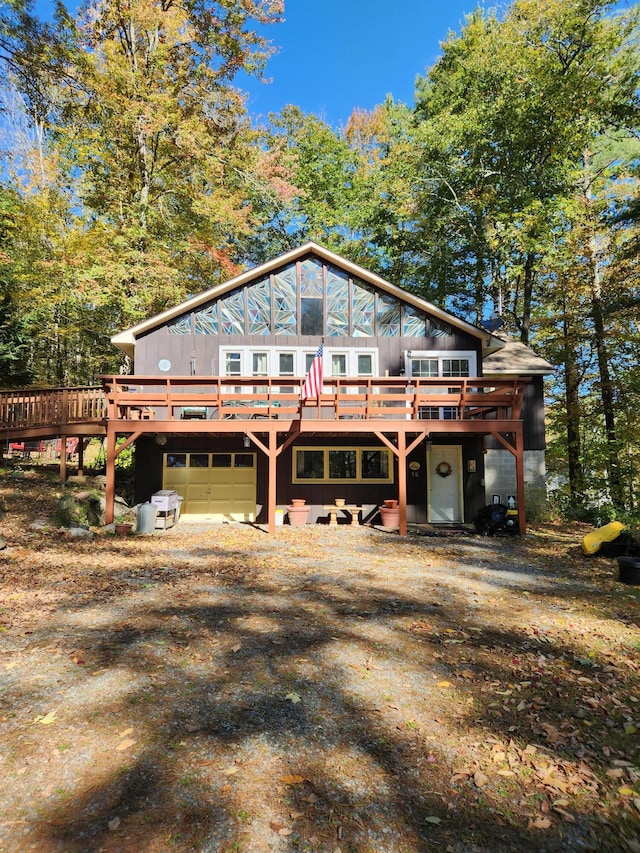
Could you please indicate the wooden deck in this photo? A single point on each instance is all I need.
(401, 413)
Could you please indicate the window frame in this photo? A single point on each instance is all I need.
(327, 450)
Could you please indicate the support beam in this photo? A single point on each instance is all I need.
(80, 456)
(402, 482)
(62, 472)
(110, 491)
(522, 515)
(273, 470)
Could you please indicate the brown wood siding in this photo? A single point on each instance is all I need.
(180, 349)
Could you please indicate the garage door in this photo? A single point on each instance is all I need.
(214, 486)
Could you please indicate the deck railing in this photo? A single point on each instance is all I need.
(373, 398)
(214, 398)
(40, 407)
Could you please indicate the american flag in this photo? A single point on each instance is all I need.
(313, 383)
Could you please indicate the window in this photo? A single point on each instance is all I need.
(426, 365)
(198, 460)
(233, 364)
(365, 364)
(260, 364)
(308, 465)
(338, 364)
(285, 361)
(342, 464)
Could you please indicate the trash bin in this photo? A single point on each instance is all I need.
(147, 513)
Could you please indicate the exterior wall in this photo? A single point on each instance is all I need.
(204, 350)
(500, 476)
(367, 495)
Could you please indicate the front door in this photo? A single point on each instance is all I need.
(444, 484)
(214, 486)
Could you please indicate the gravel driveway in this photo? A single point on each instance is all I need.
(323, 689)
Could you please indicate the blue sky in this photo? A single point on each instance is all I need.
(340, 54)
(336, 55)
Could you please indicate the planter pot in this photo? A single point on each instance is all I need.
(341, 501)
(629, 568)
(390, 516)
(298, 502)
(390, 504)
(298, 515)
(123, 529)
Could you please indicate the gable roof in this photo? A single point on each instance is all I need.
(517, 359)
(126, 340)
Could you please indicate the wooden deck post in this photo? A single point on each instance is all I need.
(402, 482)
(110, 490)
(80, 456)
(519, 443)
(62, 470)
(271, 493)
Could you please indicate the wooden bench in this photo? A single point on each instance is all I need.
(333, 511)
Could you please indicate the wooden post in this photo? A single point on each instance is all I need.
(80, 456)
(273, 469)
(62, 471)
(110, 491)
(402, 482)
(519, 442)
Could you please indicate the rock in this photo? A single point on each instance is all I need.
(81, 533)
(39, 524)
(3, 544)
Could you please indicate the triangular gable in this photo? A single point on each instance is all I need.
(126, 339)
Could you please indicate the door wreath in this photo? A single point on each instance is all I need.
(443, 469)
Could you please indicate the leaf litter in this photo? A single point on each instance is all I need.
(216, 689)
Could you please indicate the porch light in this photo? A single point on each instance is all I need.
(161, 439)
(428, 442)
(246, 441)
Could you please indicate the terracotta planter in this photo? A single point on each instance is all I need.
(390, 516)
(340, 501)
(123, 529)
(298, 515)
(390, 504)
(298, 501)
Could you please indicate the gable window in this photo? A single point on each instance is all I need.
(342, 464)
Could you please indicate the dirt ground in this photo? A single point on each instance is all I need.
(336, 689)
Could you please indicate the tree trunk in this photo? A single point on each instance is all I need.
(599, 333)
(572, 402)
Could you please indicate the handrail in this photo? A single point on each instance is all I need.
(34, 407)
(224, 397)
(242, 398)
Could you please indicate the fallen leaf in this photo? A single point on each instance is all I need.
(480, 779)
(284, 832)
(626, 791)
(47, 719)
(114, 824)
(126, 733)
(230, 771)
(540, 823)
(292, 779)
(432, 819)
(293, 697)
(125, 744)
(236, 648)
(443, 684)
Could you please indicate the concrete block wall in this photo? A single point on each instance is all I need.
(500, 477)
